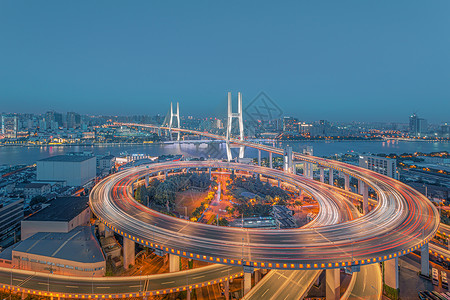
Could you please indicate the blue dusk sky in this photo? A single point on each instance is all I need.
(336, 60)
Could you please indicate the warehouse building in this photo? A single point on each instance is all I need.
(62, 215)
(75, 170)
(75, 253)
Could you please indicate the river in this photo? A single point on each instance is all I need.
(12, 155)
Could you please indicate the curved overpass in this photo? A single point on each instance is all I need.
(402, 222)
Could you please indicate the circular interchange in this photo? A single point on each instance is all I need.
(402, 221)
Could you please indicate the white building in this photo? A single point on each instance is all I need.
(106, 162)
(382, 165)
(75, 170)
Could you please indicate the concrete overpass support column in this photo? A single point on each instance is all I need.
(270, 160)
(226, 287)
(257, 276)
(259, 157)
(347, 182)
(391, 273)
(147, 180)
(210, 176)
(165, 175)
(188, 294)
(101, 228)
(128, 252)
(333, 284)
(174, 263)
(247, 282)
(322, 175)
(330, 177)
(279, 183)
(365, 198)
(425, 260)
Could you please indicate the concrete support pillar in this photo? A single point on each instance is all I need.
(174, 263)
(333, 284)
(360, 187)
(147, 180)
(347, 182)
(259, 157)
(270, 160)
(391, 273)
(322, 175)
(165, 175)
(210, 176)
(226, 286)
(425, 260)
(257, 276)
(128, 252)
(188, 295)
(279, 183)
(101, 228)
(330, 176)
(365, 191)
(247, 282)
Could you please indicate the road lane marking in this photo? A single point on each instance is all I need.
(43, 283)
(264, 293)
(72, 286)
(102, 287)
(168, 282)
(198, 277)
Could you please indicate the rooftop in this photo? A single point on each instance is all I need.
(33, 185)
(61, 209)
(68, 158)
(77, 245)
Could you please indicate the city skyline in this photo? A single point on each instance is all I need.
(366, 63)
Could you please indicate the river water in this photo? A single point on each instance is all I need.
(12, 155)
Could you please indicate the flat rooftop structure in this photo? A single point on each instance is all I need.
(68, 158)
(78, 245)
(62, 209)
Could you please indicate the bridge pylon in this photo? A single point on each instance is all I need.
(238, 116)
(171, 117)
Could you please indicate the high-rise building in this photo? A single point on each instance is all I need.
(417, 126)
(11, 213)
(53, 119)
(9, 126)
(73, 120)
(382, 165)
(290, 124)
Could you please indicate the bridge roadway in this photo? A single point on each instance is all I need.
(44, 284)
(402, 222)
